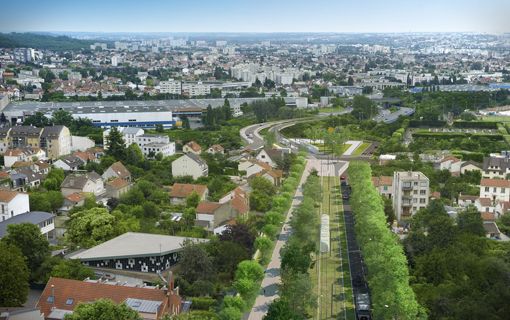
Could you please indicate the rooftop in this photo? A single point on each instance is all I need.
(134, 244)
(34, 217)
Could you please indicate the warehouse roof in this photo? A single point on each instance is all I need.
(134, 244)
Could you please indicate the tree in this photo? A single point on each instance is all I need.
(195, 263)
(192, 200)
(91, 227)
(134, 155)
(62, 117)
(239, 233)
(226, 256)
(471, 221)
(116, 144)
(159, 128)
(298, 291)
(103, 309)
(350, 81)
(279, 309)
(71, 269)
(34, 246)
(363, 108)
(37, 120)
(14, 276)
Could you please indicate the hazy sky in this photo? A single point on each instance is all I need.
(256, 15)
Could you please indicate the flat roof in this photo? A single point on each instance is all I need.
(134, 244)
(122, 106)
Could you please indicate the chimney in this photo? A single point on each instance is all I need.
(170, 281)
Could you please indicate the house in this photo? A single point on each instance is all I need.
(466, 200)
(69, 163)
(273, 176)
(180, 191)
(13, 203)
(271, 156)
(86, 156)
(190, 165)
(252, 166)
(495, 189)
(384, 185)
(61, 296)
(485, 205)
(450, 163)
(469, 166)
(44, 220)
(116, 187)
(496, 167)
(410, 193)
(33, 179)
(216, 149)
(72, 200)
(22, 154)
(386, 158)
(491, 230)
(56, 140)
(211, 215)
(502, 208)
(117, 170)
(89, 182)
(42, 167)
(135, 251)
(192, 147)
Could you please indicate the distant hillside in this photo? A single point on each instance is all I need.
(39, 41)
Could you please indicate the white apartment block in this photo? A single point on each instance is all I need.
(13, 203)
(171, 86)
(129, 135)
(153, 144)
(410, 193)
(194, 89)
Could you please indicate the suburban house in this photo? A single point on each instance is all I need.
(211, 215)
(89, 182)
(13, 203)
(216, 149)
(69, 163)
(44, 220)
(180, 191)
(496, 167)
(273, 176)
(72, 200)
(86, 156)
(190, 165)
(192, 147)
(271, 156)
(466, 200)
(495, 189)
(450, 163)
(135, 251)
(116, 187)
(117, 170)
(56, 140)
(384, 185)
(252, 166)
(485, 205)
(32, 179)
(12, 156)
(61, 296)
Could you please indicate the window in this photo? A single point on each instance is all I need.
(50, 299)
(416, 183)
(423, 192)
(502, 190)
(385, 188)
(415, 192)
(415, 200)
(132, 120)
(69, 301)
(486, 189)
(422, 200)
(423, 183)
(114, 120)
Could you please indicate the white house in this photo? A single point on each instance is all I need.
(69, 163)
(495, 189)
(129, 135)
(190, 165)
(43, 220)
(252, 167)
(152, 144)
(13, 203)
(270, 156)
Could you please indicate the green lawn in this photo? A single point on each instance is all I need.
(330, 275)
(495, 118)
(323, 148)
(359, 150)
(330, 109)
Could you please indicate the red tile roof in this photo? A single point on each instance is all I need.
(82, 291)
(485, 202)
(183, 190)
(7, 196)
(499, 183)
(487, 216)
(207, 207)
(382, 181)
(120, 170)
(75, 197)
(117, 183)
(194, 146)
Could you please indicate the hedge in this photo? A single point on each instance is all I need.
(202, 303)
(450, 135)
(475, 124)
(427, 123)
(387, 273)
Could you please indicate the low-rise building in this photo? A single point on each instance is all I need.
(129, 135)
(192, 147)
(181, 191)
(43, 220)
(116, 187)
(495, 189)
(89, 182)
(384, 185)
(69, 163)
(496, 167)
(190, 165)
(152, 144)
(117, 170)
(216, 149)
(13, 203)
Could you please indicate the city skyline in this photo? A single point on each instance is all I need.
(261, 17)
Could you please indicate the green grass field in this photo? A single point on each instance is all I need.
(359, 150)
(495, 118)
(330, 275)
(330, 109)
(323, 148)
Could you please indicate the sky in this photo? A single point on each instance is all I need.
(256, 15)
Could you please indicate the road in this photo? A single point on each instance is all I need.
(389, 117)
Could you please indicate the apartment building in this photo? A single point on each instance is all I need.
(193, 89)
(171, 86)
(495, 189)
(152, 144)
(410, 193)
(129, 135)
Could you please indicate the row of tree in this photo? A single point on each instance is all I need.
(388, 275)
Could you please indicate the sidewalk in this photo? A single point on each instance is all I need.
(269, 290)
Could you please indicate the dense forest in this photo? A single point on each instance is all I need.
(41, 41)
